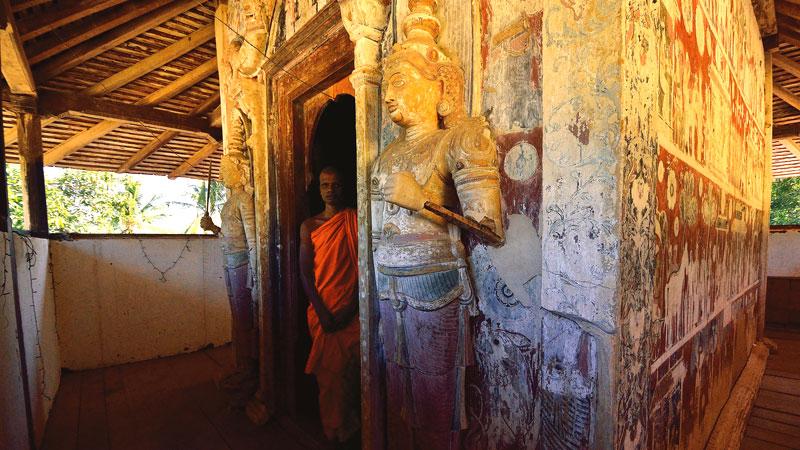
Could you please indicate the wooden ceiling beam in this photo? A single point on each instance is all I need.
(147, 150)
(195, 159)
(153, 61)
(786, 96)
(78, 141)
(209, 104)
(14, 64)
(788, 9)
(60, 15)
(162, 140)
(783, 131)
(77, 55)
(52, 103)
(186, 81)
(791, 146)
(22, 6)
(787, 64)
(176, 87)
(105, 21)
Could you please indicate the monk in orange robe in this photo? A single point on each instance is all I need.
(329, 273)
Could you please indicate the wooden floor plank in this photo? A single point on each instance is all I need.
(164, 404)
(775, 426)
(778, 402)
(776, 416)
(62, 427)
(93, 426)
(781, 384)
(772, 437)
(749, 443)
(781, 373)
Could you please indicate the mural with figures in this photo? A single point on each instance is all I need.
(503, 385)
(696, 152)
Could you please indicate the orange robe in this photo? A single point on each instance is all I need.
(334, 357)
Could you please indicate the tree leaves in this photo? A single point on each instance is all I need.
(785, 208)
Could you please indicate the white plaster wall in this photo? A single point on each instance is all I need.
(35, 292)
(13, 426)
(784, 254)
(42, 353)
(113, 307)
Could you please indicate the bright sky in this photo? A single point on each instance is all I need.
(178, 218)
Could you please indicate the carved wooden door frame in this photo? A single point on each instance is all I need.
(317, 56)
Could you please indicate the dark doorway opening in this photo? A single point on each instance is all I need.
(332, 143)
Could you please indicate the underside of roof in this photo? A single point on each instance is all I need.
(786, 91)
(123, 85)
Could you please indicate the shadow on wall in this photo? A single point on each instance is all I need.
(114, 308)
(42, 357)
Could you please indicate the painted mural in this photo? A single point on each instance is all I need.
(694, 150)
(634, 161)
(503, 387)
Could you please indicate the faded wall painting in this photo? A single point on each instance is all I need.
(502, 64)
(503, 386)
(708, 219)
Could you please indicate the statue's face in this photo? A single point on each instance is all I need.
(410, 97)
(330, 188)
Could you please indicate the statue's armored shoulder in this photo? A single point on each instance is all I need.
(471, 144)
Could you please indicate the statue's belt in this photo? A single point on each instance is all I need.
(236, 259)
(425, 288)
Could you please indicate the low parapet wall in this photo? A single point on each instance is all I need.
(130, 298)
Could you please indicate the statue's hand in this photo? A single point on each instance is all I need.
(207, 224)
(403, 190)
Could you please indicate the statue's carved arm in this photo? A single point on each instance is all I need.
(248, 216)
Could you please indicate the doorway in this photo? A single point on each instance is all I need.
(330, 141)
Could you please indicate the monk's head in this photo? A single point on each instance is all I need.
(330, 186)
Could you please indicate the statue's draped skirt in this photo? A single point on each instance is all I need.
(243, 329)
(426, 356)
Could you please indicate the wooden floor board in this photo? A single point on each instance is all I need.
(773, 425)
(781, 384)
(750, 443)
(164, 404)
(777, 416)
(62, 427)
(774, 421)
(93, 426)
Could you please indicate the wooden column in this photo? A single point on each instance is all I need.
(31, 167)
(365, 21)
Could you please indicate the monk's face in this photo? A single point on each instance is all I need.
(330, 188)
(410, 97)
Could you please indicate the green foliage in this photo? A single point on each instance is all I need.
(785, 208)
(88, 202)
(197, 194)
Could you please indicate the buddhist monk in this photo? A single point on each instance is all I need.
(329, 273)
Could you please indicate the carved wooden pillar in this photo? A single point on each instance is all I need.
(365, 21)
(31, 164)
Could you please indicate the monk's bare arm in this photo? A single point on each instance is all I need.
(326, 319)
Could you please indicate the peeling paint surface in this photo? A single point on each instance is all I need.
(581, 136)
(694, 143)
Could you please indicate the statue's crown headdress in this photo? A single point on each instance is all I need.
(421, 28)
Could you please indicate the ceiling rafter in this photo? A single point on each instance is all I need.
(15, 67)
(99, 24)
(77, 142)
(153, 62)
(54, 103)
(100, 44)
(162, 139)
(195, 159)
(60, 15)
